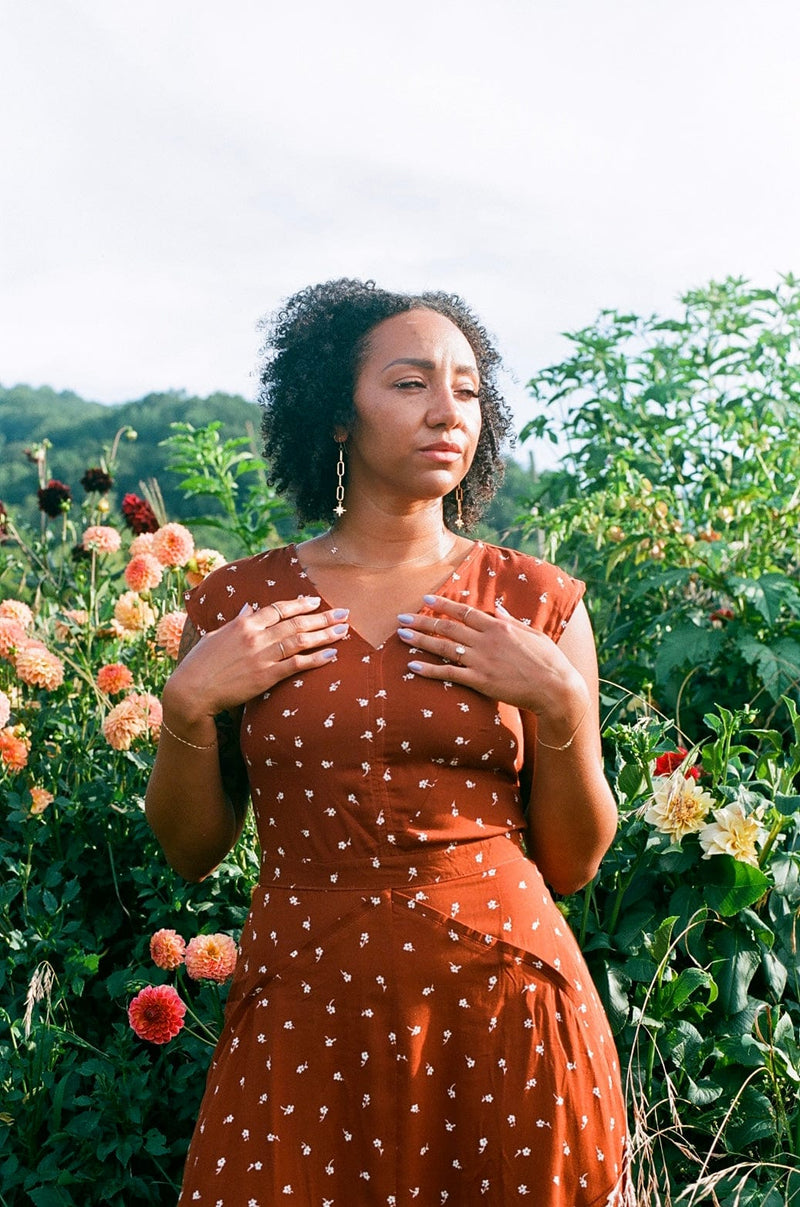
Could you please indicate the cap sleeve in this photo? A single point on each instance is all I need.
(539, 593)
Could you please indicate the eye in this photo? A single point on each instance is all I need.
(410, 384)
(467, 391)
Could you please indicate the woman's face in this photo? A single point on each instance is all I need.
(418, 416)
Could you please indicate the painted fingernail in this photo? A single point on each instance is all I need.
(313, 601)
(415, 666)
(243, 609)
(405, 617)
(429, 599)
(340, 613)
(328, 655)
(340, 629)
(406, 634)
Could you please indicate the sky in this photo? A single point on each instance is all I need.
(172, 169)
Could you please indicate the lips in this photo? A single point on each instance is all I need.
(443, 448)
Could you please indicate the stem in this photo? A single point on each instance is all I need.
(588, 897)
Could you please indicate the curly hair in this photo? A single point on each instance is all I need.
(314, 349)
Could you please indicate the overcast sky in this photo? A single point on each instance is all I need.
(171, 169)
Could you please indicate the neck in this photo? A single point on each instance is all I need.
(382, 540)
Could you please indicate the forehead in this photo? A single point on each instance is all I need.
(420, 333)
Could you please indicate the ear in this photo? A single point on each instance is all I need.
(340, 434)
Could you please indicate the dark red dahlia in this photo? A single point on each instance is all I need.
(3, 522)
(96, 479)
(139, 515)
(54, 498)
(671, 761)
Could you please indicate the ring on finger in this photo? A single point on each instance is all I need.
(436, 625)
(277, 609)
(460, 651)
(282, 650)
(465, 617)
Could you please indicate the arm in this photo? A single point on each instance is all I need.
(572, 815)
(197, 795)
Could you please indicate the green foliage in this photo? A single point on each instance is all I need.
(679, 497)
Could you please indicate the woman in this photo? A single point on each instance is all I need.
(416, 716)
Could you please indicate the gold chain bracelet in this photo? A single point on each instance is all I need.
(568, 743)
(183, 742)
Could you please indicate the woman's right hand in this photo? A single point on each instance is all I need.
(250, 654)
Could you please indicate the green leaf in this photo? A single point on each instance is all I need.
(730, 885)
(739, 957)
(676, 993)
(629, 781)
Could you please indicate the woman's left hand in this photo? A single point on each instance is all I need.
(498, 656)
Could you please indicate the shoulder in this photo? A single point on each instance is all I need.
(221, 596)
(534, 590)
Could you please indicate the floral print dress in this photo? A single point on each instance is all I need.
(411, 1020)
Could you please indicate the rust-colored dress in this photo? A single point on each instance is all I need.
(411, 1020)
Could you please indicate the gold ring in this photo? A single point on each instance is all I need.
(466, 614)
(282, 650)
(277, 609)
(436, 624)
(460, 652)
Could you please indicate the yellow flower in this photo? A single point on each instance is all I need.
(133, 613)
(733, 832)
(679, 805)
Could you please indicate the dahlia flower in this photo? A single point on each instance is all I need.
(5, 709)
(733, 832)
(97, 480)
(133, 613)
(167, 948)
(12, 636)
(173, 545)
(40, 799)
(143, 543)
(156, 1013)
(114, 677)
(679, 806)
(143, 572)
(15, 746)
(135, 716)
(139, 515)
(15, 609)
(54, 498)
(666, 763)
(210, 957)
(169, 631)
(37, 667)
(201, 565)
(71, 619)
(101, 538)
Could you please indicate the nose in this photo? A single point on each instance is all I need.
(443, 406)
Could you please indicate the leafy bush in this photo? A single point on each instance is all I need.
(679, 496)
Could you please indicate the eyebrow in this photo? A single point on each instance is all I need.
(426, 364)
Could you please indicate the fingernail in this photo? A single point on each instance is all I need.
(406, 634)
(415, 666)
(429, 599)
(243, 609)
(405, 617)
(341, 613)
(340, 629)
(313, 601)
(328, 655)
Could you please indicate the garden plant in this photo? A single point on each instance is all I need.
(677, 504)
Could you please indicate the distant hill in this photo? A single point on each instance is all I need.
(80, 431)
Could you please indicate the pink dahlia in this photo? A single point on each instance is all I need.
(143, 572)
(12, 636)
(37, 667)
(15, 609)
(143, 543)
(133, 613)
(156, 1013)
(101, 538)
(114, 677)
(126, 722)
(150, 707)
(173, 545)
(211, 957)
(167, 949)
(169, 631)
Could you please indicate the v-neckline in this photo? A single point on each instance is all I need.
(302, 573)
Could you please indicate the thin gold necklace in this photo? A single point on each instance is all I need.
(335, 552)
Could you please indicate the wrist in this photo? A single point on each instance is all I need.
(557, 726)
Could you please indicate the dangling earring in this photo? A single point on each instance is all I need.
(340, 508)
(459, 502)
